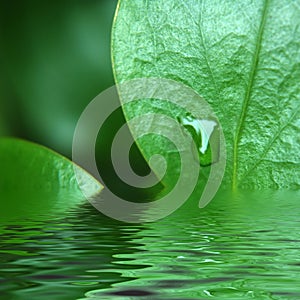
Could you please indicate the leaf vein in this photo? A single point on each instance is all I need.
(270, 144)
(253, 72)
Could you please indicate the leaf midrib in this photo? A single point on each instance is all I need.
(247, 97)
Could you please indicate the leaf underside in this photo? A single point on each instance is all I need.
(243, 59)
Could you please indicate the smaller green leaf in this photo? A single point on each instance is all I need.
(35, 181)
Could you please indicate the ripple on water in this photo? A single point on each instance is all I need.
(229, 250)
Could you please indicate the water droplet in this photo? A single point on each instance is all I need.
(206, 138)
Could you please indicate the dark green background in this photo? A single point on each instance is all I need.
(55, 58)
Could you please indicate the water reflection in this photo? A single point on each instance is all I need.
(238, 247)
(62, 258)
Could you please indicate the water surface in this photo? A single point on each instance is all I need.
(243, 246)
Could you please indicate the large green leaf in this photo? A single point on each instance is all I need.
(35, 181)
(243, 58)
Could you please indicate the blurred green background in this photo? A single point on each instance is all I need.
(55, 58)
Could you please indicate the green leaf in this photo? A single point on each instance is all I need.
(243, 58)
(35, 181)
